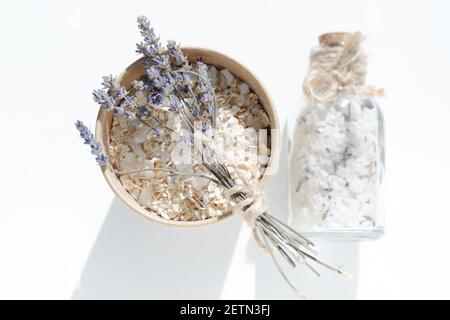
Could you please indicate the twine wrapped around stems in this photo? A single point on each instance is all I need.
(254, 203)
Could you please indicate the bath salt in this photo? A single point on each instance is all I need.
(335, 164)
(337, 151)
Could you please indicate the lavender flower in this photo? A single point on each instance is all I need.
(142, 112)
(141, 48)
(103, 99)
(151, 46)
(128, 102)
(174, 104)
(177, 78)
(161, 61)
(158, 99)
(152, 73)
(202, 87)
(171, 45)
(186, 79)
(155, 49)
(202, 69)
(109, 82)
(88, 137)
(146, 31)
(102, 159)
(159, 82)
(157, 131)
(117, 98)
(178, 55)
(204, 98)
(167, 88)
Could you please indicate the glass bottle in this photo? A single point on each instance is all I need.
(337, 146)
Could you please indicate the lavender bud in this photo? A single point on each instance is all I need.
(142, 111)
(103, 99)
(157, 99)
(88, 137)
(101, 159)
(174, 104)
(108, 82)
(161, 61)
(152, 73)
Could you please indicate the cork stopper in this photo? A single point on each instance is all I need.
(334, 39)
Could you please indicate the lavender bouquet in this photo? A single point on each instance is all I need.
(184, 90)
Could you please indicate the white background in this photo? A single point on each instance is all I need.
(64, 235)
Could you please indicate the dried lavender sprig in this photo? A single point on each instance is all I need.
(151, 44)
(96, 148)
(116, 99)
(182, 63)
(163, 83)
(207, 92)
(162, 79)
(120, 101)
(211, 89)
(160, 69)
(296, 241)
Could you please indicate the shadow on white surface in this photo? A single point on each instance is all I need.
(269, 283)
(136, 259)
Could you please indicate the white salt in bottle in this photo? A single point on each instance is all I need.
(337, 146)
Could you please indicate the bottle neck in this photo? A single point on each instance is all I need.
(337, 65)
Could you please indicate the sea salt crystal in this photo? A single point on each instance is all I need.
(145, 197)
(228, 76)
(213, 75)
(240, 100)
(127, 184)
(235, 109)
(140, 135)
(199, 184)
(244, 89)
(206, 198)
(135, 193)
